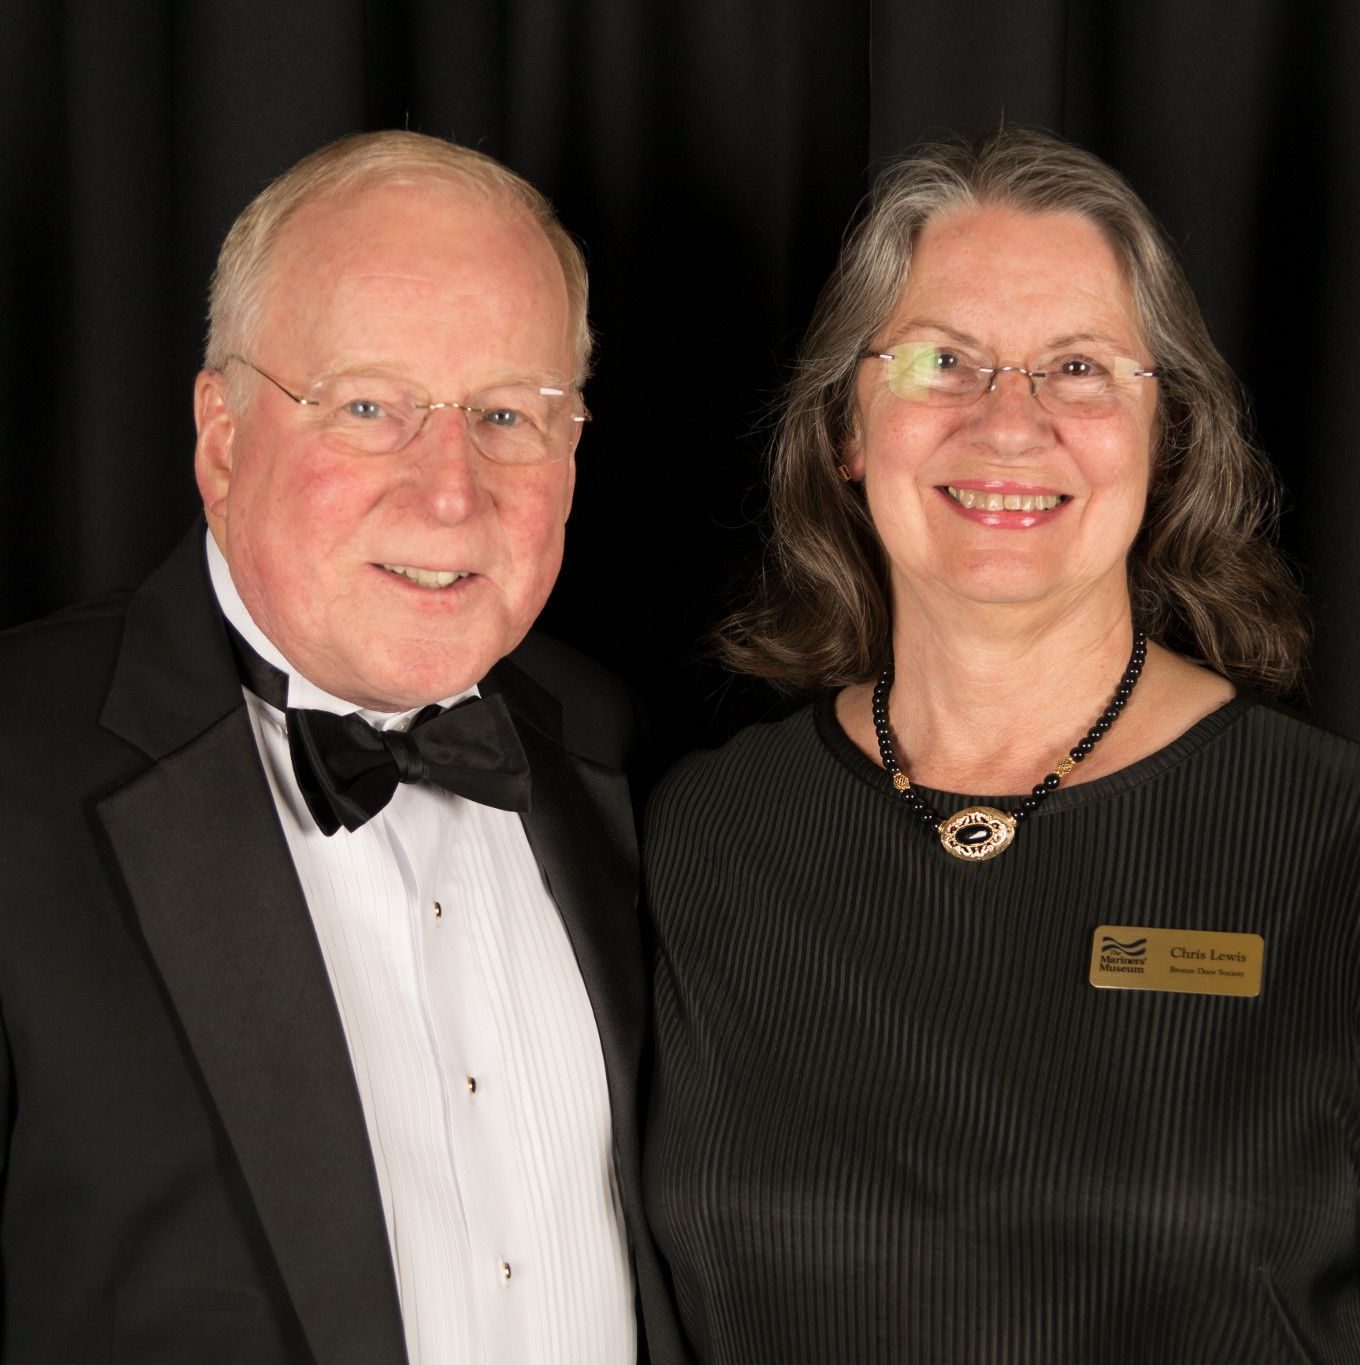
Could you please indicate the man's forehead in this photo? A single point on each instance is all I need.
(402, 233)
(397, 262)
(369, 215)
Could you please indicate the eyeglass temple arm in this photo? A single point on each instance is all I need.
(287, 393)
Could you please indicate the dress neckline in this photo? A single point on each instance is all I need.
(1203, 732)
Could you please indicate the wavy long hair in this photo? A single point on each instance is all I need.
(1205, 575)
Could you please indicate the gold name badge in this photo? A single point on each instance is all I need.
(1126, 957)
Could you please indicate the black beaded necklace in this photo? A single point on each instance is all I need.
(981, 832)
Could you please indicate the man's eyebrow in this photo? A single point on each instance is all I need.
(342, 367)
(339, 365)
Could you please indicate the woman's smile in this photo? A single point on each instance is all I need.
(1005, 507)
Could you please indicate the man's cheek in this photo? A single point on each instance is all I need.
(322, 484)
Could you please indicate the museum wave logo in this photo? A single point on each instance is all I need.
(1111, 947)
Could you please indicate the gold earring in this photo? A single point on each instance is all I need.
(844, 473)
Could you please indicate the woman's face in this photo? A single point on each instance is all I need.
(1009, 499)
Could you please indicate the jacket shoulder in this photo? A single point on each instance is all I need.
(62, 660)
(601, 718)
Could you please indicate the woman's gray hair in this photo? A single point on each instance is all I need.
(241, 279)
(1205, 575)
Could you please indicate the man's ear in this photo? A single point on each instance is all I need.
(571, 484)
(213, 451)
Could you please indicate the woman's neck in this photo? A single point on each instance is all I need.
(987, 701)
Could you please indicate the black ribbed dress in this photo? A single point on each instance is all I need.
(892, 1121)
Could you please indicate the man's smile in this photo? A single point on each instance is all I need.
(427, 578)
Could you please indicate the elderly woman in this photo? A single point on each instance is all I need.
(1007, 995)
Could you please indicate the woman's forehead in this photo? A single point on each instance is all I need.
(998, 268)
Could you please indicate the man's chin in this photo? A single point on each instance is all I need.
(402, 695)
(405, 681)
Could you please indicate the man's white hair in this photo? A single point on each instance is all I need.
(240, 280)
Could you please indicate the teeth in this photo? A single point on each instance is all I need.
(427, 578)
(1005, 502)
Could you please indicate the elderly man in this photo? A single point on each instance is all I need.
(321, 995)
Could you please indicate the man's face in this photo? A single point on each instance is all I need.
(453, 293)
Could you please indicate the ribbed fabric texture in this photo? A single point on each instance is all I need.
(892, 1120)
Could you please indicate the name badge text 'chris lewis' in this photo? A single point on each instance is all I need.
(1127, 957)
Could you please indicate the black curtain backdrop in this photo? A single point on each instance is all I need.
(709, 156)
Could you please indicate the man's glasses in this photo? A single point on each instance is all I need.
(378, 415)
(1082, 384)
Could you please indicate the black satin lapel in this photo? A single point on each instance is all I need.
(210, 875)
(581, 832)
(525, 698)
(175, 674)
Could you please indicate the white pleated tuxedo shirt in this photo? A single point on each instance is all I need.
(477, 1059)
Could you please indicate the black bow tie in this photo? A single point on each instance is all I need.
(347, 770)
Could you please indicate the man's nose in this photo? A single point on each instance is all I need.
(446, 464)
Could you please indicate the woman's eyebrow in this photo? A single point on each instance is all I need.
(1086, 336)
(965, 339)
(929, 324)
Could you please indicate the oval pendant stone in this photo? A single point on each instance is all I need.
(978, 833)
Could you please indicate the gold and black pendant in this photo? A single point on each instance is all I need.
(978, 833)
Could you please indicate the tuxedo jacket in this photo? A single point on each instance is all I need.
(185, 1168)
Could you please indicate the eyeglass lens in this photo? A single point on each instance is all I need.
(1085, 382)
(512, 424)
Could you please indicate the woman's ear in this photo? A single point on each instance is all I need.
(851, 466)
